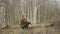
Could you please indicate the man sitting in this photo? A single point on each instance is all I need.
(24, 23)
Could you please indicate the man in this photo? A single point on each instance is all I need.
(24, 23)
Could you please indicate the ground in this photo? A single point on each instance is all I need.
(34, 30)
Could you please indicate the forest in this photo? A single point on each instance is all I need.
(41, 13)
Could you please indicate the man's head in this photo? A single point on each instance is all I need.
(23, 18)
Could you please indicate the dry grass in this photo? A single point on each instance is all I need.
(38, 30)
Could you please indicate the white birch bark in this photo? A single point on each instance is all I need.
(34, 15)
